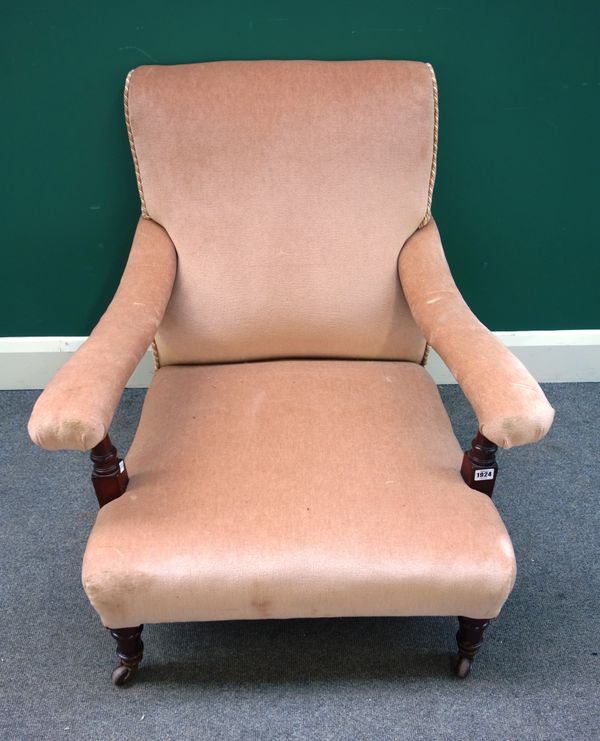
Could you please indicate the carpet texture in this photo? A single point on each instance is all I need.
(537, 676)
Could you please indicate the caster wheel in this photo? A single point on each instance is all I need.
(463, 667)
(122, 674)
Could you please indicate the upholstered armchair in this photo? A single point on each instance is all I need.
(293, 457)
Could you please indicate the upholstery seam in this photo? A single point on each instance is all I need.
(427, 217)
(136, 164)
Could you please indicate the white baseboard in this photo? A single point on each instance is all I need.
(551, 356)
(30, 362)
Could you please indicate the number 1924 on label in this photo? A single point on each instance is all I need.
(484, 474)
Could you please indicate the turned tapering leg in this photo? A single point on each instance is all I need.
(469, 639)
(130, 651)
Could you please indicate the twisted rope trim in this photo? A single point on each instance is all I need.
(427, 217)
(138, 177)
(136, 163)
(155, 355)
(436, 121)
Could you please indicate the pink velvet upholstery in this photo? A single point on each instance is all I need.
(76, 409)
(286, 221)
(512, 411)
(296, 488)
(288, 189)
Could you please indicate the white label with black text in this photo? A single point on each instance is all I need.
(484, 473)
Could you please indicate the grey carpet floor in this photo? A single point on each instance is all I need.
(537, 677)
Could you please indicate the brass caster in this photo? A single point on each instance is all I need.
(463, 667)
(122, 674)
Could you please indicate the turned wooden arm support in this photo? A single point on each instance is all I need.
(479, 467)
(76, 408)
(109, 475)
(510, 406)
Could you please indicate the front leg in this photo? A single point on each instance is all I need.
(130, 651)
(469, 639)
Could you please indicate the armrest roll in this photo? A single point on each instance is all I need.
(509, 404)
(76, 408)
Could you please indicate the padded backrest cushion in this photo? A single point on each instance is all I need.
(288, 189)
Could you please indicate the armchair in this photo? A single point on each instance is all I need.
(293, 457)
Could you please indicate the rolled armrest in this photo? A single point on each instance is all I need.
(509, 404)
(76, 408)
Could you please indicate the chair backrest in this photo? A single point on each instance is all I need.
(288, 189)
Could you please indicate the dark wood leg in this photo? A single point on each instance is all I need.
(130, 651)
(469, 639)
(110, 480)
(109, 476)
(479, 468)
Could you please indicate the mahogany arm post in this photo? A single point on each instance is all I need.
(479, 467)
(109, 475)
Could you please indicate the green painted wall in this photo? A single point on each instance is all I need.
(517, 191)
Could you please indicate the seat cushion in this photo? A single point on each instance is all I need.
(299, 488)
